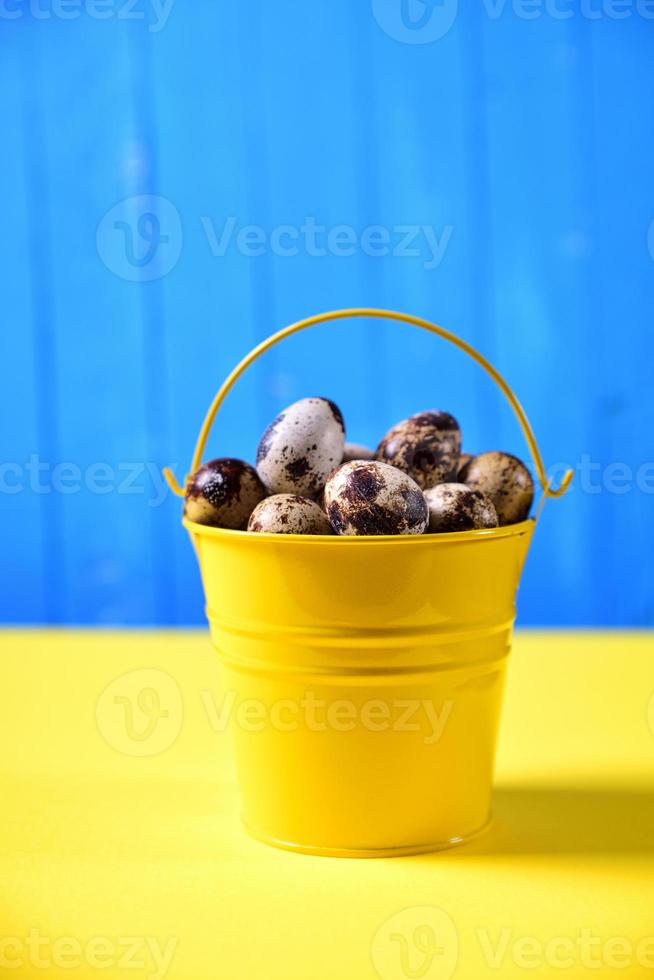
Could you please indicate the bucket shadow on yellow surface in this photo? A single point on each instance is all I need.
(569, 821)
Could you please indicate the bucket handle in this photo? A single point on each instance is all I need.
(311, 321)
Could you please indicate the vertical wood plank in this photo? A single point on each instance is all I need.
(92, 153)
(24, 361)
(211, 155)
(542, 329)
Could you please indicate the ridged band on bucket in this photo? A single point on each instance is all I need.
(365, 674)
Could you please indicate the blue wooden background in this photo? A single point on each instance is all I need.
(524, 143)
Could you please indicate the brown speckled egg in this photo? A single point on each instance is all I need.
(505, 480)
(223, 493)
(455, 507)
(425, 446)
(354, 450)
(298, 451)
(369, 497)
(464, 459)
(286, 513)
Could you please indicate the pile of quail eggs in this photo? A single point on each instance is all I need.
(308, 480)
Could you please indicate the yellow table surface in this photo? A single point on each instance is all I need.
(121, 851)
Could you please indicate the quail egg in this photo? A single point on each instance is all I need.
(455, 507)
(286, 513)
(464, 458)
(506, 480)
(354, 450)
(223, 493)
(426, 446)
(370, 497)
(301, 447)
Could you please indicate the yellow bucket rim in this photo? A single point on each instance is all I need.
(546, 483)
(412, 540)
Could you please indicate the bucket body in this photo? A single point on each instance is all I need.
(365, 679)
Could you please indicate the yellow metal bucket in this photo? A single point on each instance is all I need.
(365, 674)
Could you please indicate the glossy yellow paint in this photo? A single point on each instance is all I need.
(410, 633)
(122, 856)
(378, 665)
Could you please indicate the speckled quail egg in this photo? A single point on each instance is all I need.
(503, 478)
(286, 513)
(425, 446)
(455, 507)
(464, 459)
(354, 450)
(301, 447)
(369, 497)
(223, 493)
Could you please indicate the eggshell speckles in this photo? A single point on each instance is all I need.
(301, 447)
(506, 480)
(354, 450)
(425, 446)
(373, 498)
(455, 507)
(223, 493)
(464, 459)
(286, 513)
